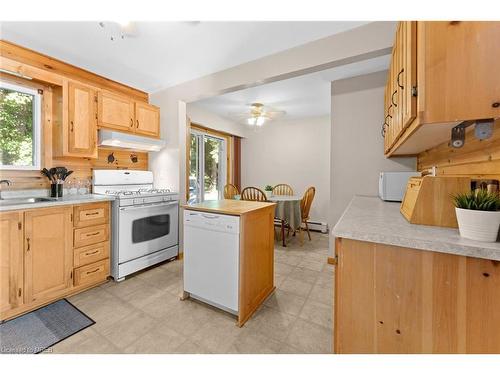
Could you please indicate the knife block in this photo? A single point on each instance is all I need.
(429, 200)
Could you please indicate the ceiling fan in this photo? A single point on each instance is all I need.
(258, 114)
(119, 30)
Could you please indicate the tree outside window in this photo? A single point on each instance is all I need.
(19, 127)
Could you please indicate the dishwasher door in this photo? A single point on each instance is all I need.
(211, 258)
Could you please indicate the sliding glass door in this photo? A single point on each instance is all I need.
(207, 167)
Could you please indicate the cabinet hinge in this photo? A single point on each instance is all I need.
(19, 225)
(414, 91)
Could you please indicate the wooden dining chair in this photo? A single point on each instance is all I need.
(230, 191)
(282, 189)
(305, 207)
(253, 194)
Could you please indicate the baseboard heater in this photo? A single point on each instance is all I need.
(318, 226)
(315, 226)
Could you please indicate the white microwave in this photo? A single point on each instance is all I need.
(392, 185)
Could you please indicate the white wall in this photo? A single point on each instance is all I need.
(294, 152)
(168, 165)
(357, 150)
(211, 120)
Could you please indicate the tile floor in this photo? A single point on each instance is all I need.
(143, 314)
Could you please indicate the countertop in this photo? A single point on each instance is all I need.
(372, 220)
(69, 199)
(228, 206)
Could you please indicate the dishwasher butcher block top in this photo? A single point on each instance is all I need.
(228, 206)
(229, 254)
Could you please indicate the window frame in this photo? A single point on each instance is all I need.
(37, 127)
(223, 175)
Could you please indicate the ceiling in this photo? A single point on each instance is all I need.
(301, 97)
(163, 54)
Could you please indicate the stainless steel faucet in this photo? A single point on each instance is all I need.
(8, 182)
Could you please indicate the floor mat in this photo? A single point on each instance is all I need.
(40, 329)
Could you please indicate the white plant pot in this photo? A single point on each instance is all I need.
(478, 225)
(269, 194)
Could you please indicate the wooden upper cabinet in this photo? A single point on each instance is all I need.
(442, 73)
(82, 116)
(115, 111)
(462, 80)
(408, 74)
(147, 119)
(400, 103)
(48, 253)
(11, 261)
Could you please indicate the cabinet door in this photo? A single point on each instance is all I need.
(408, 73)
(115, 112)
(462, 81)
(82, 120)
(387, 115)
(48, 253)
(147, 118)
(11, 260)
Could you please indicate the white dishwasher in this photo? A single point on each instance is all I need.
(211, 258)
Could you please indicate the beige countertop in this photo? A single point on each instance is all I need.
(69, 199)
(228, 206)
(371, 219)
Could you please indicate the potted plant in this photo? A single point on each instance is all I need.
(268, 190)
(478, 215)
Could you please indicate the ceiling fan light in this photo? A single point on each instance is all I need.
(259, 121)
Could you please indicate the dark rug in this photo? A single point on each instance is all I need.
(40, 329)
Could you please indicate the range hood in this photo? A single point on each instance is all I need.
(116, 139)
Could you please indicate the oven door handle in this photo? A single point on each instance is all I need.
(149, 205)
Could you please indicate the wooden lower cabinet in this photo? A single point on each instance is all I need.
(39, 262)
(11, 260)
(391, 299)
(48, 253)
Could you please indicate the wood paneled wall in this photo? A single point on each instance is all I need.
(47, 75)
(476, 159)
(45, 68)
(82, 168)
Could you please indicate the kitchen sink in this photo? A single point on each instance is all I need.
(16, 201)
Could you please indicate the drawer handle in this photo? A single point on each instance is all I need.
(92, 213)
(131, 122)
(92, 234)
(94, 271)
(92, 253)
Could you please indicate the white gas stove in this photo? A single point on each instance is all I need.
(145, 220)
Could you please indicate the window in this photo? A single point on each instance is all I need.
(20, 119)
(207, 167)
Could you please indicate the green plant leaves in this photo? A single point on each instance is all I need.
(480, 200)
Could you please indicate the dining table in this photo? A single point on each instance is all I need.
(287, 211)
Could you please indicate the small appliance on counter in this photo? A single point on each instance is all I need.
(392, 185)
(145, 221)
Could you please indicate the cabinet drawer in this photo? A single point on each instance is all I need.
(91, 235)
(92, 273)
(91, 214)
(90, 254)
